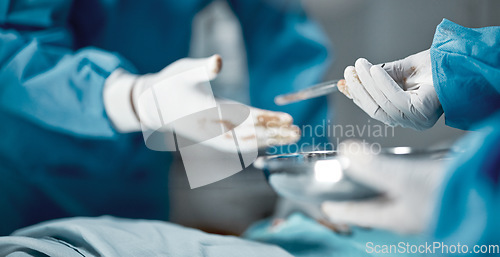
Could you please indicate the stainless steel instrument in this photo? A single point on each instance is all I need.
(317, 90)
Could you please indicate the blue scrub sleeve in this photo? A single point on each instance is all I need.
(286, 52)
(46, 81)
(53, 86)
(469, 210)
(466, 72)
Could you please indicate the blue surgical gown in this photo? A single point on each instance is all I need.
(466, 74)
(469, 209)
(59, 154)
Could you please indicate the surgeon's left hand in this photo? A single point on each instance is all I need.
(396, 93)
(409, 187)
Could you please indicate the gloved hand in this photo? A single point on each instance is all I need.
(129, 108)
(409, 187)
(396, 93)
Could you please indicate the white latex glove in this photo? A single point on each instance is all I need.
(396, 93)
(123, 93)
(409, 185)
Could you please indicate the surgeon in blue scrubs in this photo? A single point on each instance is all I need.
(458, 201)
(61, 155)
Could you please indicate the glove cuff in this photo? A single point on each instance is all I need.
(118, 101)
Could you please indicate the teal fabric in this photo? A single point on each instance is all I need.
(304, 237)
(470, 205)
(114, 237)
(466, 72)
(59, 154)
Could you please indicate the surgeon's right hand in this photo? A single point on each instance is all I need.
(396, 93)
(123, 92)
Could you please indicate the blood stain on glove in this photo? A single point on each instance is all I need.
(247, 138)
(218, 66)
(227, 124)
(228, 127)
(355, 74)
(342, 86)
(269, 120)
(269, 128)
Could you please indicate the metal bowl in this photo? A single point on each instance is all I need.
(319, 176)
(312, 177)
(410, 152)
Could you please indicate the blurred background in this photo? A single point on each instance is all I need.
(379, 30)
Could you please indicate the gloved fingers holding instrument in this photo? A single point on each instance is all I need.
(396, 93)
(409, 189)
